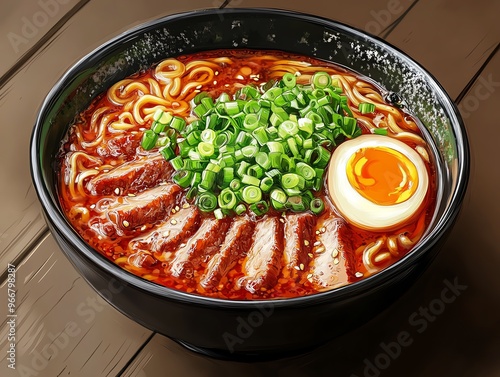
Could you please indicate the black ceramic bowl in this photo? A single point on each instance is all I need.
(243, 328)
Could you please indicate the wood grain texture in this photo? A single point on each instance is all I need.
(450, 38)
(24, 23)
(372, 16)
(20, 220)
(64, 328)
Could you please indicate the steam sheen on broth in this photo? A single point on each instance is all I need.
(378, 189)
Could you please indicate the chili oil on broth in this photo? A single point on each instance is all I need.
(108, 134)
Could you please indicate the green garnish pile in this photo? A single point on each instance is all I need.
(264, 147)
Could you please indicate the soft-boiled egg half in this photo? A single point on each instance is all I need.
(376, 182)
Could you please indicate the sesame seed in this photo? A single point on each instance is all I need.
(131, 195)
(199, 86)
(309, 277)
(182, 245)
(336, 261)
(216, 73)
(297, 268)
(282, 220)
(335, 253)
(317, 243)
(143, 228)
(306, 242)
(310, 255)
(323, 230)
(301, 266)
(358, 274)
(177, 208)
(185, 205)
(92, 206)
(125, 223)
(166, 233)
(320, 249)
(117, 191)
(173, 210)
(173, 221)
(317, 232)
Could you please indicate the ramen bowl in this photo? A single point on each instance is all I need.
(257, 328)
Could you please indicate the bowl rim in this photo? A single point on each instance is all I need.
(63, 228)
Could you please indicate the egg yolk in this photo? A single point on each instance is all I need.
(382, 175)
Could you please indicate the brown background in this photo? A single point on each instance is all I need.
(63, 329)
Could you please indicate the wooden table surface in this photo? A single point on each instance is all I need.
(63, 328)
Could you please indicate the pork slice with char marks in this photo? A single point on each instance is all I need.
(132, 176)
(333, 264)
(168, 236)
(148, 207)
(122, 145)
(299, 238)
(199, 247)
(262, 264)
(236, 243)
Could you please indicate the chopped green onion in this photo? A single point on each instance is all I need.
(289, 80)
(227, 199)
(149, 139)
(297, 203)
(251, 122)
(380, 131)
(263, 160)
(292, 181)
(235, 184)
(305, 171)
(266, 184)
(317, 206)
(206, 201)
(251, 194)
(260, 208)
(167, 152)
(219, 214)
(250, 180)
(178, 123)
(208, 179)
(240, 208)
(208, 135)
(255, 171)
(177, 163)
(182, 178)
(206, 149)
(366, 108)
(321, 80)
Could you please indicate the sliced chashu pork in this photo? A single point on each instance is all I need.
(149, 207)
(235, 245)
(166, 237)
(299, 238)
(333, 264)
(199, 247)
(131, 177)
(262, 264)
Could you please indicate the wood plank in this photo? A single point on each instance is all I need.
(21, 97)
(372, 16)
(63, 327)
(461, 338)
(24, 23)
(447, 33)
(162, 356)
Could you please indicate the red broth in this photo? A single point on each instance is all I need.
(106, 136)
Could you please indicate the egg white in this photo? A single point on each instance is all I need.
(357, 209)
